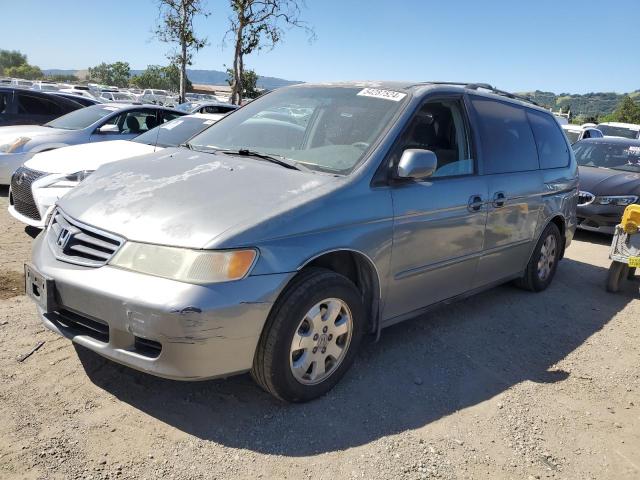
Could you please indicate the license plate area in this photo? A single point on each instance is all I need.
(40, 288)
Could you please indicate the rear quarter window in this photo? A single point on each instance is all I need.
(33, 105)
(553, 151)
(507, 141)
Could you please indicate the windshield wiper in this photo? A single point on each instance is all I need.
(277, 159)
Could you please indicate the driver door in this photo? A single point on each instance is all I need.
(439, 222)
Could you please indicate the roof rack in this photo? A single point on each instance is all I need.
(484, 86)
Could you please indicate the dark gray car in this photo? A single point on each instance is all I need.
(273, 244)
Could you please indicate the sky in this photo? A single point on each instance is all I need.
(573, 46)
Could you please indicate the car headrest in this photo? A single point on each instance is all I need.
(133, 125)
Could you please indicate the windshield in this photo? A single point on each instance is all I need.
(618, 156)
(175, 132)
(325, 128)
(122, 96)
(79, 119)
(572, 135)
(611, 131)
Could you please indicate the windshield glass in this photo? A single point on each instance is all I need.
(121, 96)
(175, 132)
(619, 156)
(611, 131)
(79, 119)
(326, 128)
(572, 135)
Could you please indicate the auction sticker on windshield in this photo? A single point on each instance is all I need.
(379, 93)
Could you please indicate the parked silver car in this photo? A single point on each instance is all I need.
(98, 123)
(273, 246)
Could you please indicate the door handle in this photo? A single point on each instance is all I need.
(475, 203)
(499, 199)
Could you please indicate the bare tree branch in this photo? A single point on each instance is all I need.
(175, 25)
(259, 24)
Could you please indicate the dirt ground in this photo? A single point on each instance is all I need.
(506, 385)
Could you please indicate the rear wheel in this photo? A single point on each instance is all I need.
(543, 263)
(617, 272)
(311, 336)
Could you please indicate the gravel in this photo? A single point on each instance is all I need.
(506, 385)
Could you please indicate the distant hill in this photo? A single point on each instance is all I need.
(207, 77)
(589, 104)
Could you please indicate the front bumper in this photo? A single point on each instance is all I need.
(599, 218)
(45, 201)
(197, 332)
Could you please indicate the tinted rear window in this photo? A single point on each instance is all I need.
(32, 105)
(507, 141)
(553, 151)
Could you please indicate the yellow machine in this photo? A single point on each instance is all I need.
(625, 249)
(631, 219)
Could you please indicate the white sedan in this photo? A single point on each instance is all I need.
(47, 176)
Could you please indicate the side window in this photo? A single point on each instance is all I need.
(134, 121)
(553, 151)
(507, 140)
(32, 105)
(439, 126)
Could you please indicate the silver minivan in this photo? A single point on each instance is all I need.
(277, 238)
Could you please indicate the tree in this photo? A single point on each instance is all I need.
(249, 82)
(117, 73)
(157, 76)
(627, 111)
(62, 78)
(258, 24)
(26, 71)
(11, 58)
(176, 26)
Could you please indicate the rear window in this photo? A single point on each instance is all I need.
(507, 141)
(175, 132)
(611, 131)
(82, 118)
(553, 151)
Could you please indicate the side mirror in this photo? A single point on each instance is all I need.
(417, 164)
(109, 128)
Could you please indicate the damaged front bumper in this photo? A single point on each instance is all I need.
(159, 326)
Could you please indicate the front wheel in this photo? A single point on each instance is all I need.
(311, 336)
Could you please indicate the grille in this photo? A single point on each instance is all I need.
(21, 194)
(585, 198)
(74, 242)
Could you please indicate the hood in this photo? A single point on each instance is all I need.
(183, 198)
(606, 181)
(87, 156)
(9, 134)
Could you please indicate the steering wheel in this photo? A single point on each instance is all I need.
(362, 145)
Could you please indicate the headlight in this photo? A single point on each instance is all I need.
(71, 180)
(620, 200)
(13, 146)
(185, 265)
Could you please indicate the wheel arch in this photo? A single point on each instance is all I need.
(360, 269)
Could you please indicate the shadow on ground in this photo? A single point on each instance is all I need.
(593, 237)
(4, 190)
(420, 371)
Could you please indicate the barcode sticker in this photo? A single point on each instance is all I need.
(385, 94)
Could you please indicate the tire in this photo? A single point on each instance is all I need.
(632, 273)
(280, 369)
(617, 272)
(533, 278)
